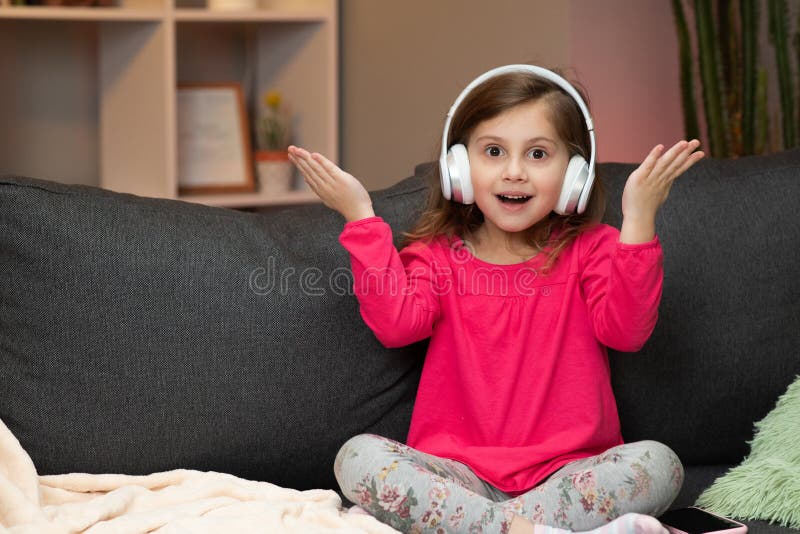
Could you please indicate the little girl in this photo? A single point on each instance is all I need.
(520, 289)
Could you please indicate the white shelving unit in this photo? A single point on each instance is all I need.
(115, 72)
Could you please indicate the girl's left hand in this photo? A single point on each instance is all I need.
(337, 189)
(648, 187)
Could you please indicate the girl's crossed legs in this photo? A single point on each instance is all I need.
(416, 492)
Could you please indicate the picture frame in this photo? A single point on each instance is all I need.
(214, 144)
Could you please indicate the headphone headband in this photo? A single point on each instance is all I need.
(538, 71)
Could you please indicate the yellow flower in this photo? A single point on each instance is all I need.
(385, 471)
(273, 126)
(272, 99)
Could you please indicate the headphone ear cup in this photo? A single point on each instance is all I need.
(458, 169)
(444, 176)
(574, 181)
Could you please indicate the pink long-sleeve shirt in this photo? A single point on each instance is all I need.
(516, 380)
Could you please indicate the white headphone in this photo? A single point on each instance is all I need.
(454, 163)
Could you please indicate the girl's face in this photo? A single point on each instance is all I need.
(517, 164)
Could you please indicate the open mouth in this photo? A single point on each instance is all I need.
(514, 199)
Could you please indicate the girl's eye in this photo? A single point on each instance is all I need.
(537, 153)
(494, 151)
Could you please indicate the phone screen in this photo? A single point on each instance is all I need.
(695, 521)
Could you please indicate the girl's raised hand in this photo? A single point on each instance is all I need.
(338, 190)
(648, 186)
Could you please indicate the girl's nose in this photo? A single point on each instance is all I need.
(514, 170)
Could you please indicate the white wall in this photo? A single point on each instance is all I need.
(403, 63)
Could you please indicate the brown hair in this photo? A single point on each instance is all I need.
(488, 100)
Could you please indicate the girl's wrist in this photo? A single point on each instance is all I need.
(637, 230)
(364, 212)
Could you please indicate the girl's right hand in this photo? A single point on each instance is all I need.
(338, 190)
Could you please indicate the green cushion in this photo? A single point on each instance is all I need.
(766, 485)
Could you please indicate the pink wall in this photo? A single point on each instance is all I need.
(625, 54)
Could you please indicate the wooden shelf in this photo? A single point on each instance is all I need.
(189, 14)
(95, 88)
(82, 13)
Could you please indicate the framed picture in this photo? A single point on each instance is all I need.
(214, 152)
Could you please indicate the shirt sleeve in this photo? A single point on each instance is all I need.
(622, 284)
(395, 290)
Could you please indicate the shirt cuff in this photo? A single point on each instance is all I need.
(366, 220)
(653, 243)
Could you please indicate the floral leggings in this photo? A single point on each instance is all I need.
(417, 492)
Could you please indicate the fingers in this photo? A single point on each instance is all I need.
(317, 164)
(302, 159)
(673, 162)
(327, 165)
(683, 152)
(308, 175)
(693, 158)
(650, 161)
(669, 157)
(317, 171)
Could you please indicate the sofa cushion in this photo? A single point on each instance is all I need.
(767, 484)
(699, 477)
(725, 345)
(141, 335)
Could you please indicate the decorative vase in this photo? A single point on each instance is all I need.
(275, 171)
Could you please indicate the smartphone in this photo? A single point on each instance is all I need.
(694, 520)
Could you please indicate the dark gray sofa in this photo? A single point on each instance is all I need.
(141, 335)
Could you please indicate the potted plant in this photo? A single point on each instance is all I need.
(720, 50)
(273, 167)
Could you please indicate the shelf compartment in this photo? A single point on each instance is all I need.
(48, 100)
(295, 58)
(135, 108)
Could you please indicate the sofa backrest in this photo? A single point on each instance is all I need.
(726, 343)
(140, 335)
